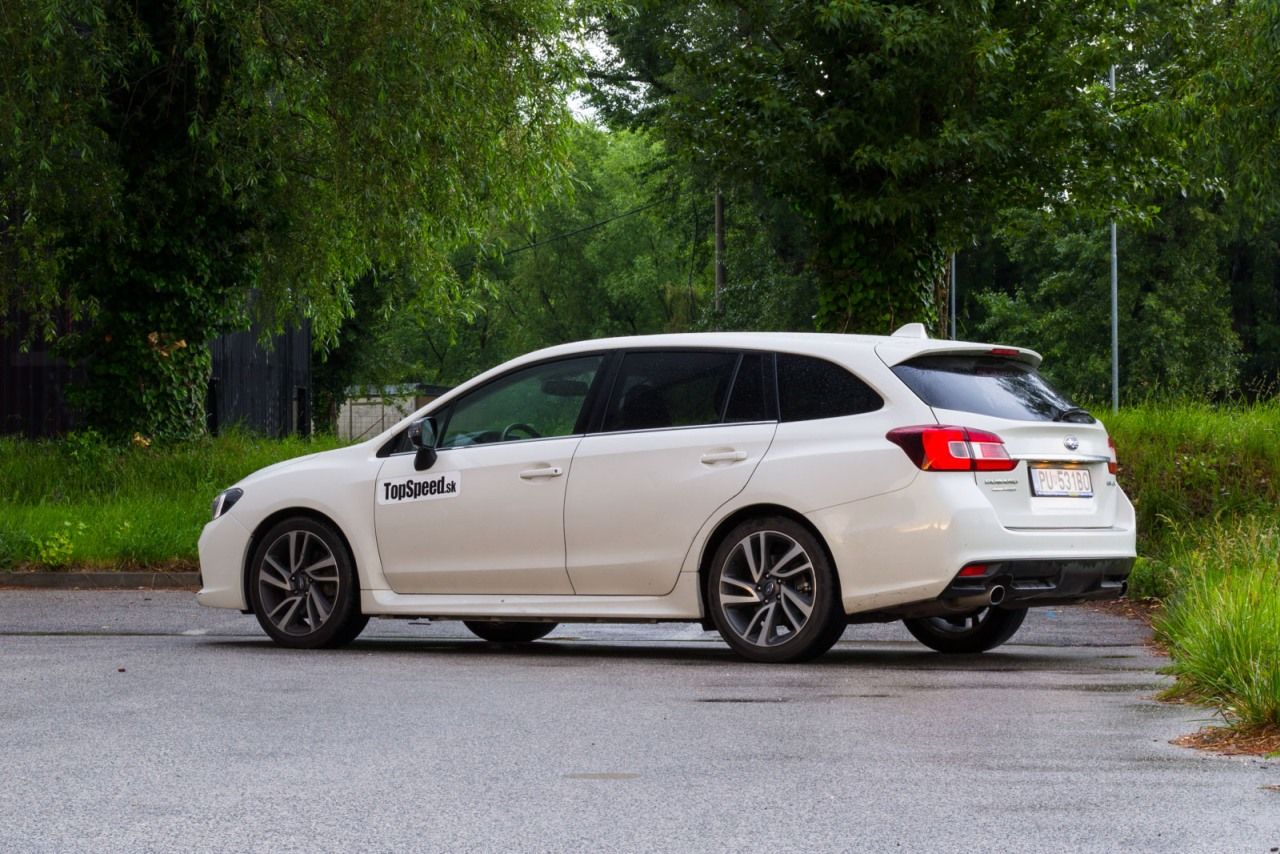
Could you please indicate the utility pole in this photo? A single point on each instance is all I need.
(719, 252)
(1115, 297)
(951, 300)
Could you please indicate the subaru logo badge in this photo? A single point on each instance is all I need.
(1071, 442)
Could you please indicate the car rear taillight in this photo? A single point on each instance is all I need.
(942, 448)
(1113, 465)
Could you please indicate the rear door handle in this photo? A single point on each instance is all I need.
(546, 471)
(723, 457)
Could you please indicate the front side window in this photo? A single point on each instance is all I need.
(656, 389)
(537, 402)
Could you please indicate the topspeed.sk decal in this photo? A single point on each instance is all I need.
(421, 487)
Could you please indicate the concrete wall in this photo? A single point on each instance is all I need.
(362, 417)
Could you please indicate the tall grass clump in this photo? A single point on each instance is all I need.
(81, 502)
(1222, 625)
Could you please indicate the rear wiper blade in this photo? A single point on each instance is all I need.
(1072, 412)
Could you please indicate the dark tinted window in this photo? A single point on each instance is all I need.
(747, 402)
(669, 389)
(814, 388)
(987, 385)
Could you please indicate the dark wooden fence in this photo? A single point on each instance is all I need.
(32, 388)
(263, 389)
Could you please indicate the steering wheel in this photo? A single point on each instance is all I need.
(521, 427)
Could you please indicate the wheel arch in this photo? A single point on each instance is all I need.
(255, 540)
(721, 531)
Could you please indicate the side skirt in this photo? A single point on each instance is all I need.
(681, 604)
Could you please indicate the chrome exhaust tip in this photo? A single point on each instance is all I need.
(996, 594)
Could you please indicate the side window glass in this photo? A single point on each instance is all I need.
(747, 401)
(669, 389)
(537, 402)
(815, 388)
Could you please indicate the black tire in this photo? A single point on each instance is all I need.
(508, 631)
(306, 560)
(769, 627)
(969, 633)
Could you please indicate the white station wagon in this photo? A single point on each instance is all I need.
(773, 486)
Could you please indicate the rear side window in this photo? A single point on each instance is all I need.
(988, 385)
(811, 388)
(656, 389)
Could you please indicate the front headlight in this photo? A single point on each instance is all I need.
(225, 501)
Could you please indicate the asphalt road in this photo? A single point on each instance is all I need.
(139, 721)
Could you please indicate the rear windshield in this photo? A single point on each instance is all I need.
(988, 385)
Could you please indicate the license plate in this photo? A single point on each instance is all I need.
(1063, 483)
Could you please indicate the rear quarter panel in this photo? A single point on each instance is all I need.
(830, 461)
(833, 469)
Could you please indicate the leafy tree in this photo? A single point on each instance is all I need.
(1252, 259)
(627, 253)
(1227, 102)
(1176, 335)
(170, 168)
(381, 343)
(897, 131)
(768, 285)
(1199, 288)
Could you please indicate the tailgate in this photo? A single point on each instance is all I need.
(1063, 477)
(1054, 485)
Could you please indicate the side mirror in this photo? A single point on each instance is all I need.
(422, 435)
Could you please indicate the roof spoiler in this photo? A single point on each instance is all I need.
(910, 330)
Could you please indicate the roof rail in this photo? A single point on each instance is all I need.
(911, 330)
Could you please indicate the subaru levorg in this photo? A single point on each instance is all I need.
(773, 486)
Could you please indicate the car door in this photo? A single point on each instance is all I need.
(487, 517)
(681, 433)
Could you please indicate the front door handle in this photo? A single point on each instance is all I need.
(546, 471)
(723, 457)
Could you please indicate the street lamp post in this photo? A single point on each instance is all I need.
(719, 229)
(1115, 297)
(951, 300)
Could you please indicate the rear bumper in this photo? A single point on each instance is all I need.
(1031, 583)
(905, 548)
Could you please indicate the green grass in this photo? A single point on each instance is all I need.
(1222, 623)
(1189, 468)
(82, 503)
(1206, 485)
(1189, 462)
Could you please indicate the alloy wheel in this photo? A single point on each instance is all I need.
(298, 582)
(768, 588)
